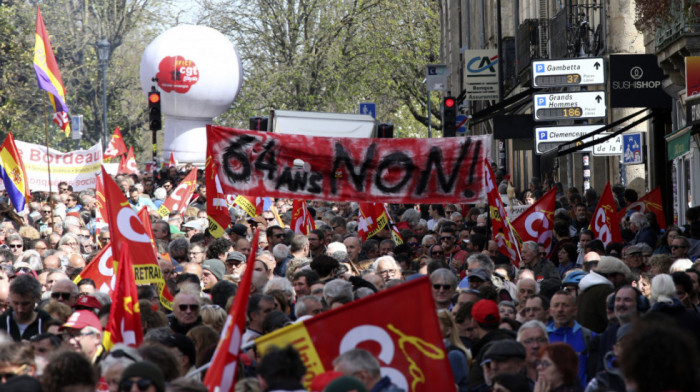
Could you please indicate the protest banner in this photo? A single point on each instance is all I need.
(440, 170)
(537, 222)
(180, 197)
(604, 224)
(76, 168)
(409, 349)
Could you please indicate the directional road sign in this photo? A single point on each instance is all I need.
(569, 106)
(568, 72)
(369, 108)
(612, 146)
(632, 148)
(547, 138)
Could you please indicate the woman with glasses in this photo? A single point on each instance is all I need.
(557, 369)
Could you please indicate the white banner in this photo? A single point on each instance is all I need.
(76, 168)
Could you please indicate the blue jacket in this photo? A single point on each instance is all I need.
(574, 336)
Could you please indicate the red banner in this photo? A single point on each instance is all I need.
(124, 323)
(373, 218)
(222, 374)
(409, 350)
(651, 202)
(180, 197)
(217, 207)
(605, 225)
(437, 170)
(101, 270)
(116, 146)
(508, 244)
(128, 165)
(301, 218)
(537, 222)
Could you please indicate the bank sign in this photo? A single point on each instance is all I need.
(481, 74)
(636, 81)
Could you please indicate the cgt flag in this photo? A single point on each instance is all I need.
(537, 222)
(128, 165)
(409, 349)
(253, 206)
(605, 225)
(116, 146)
(302, 223)
(217, 207)
(101, 271)
(503, 232)
(48, 76)
(124, 323)
(14, 177)
(178, 199)
(651, 202)
(222, 374)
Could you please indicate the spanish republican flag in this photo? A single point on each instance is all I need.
(13, 175)
(48, 76)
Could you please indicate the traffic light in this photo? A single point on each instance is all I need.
(258, 124)
(154, 119)
(385, 131)
(449, 117)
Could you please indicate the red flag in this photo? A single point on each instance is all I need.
(128, 165)
(179, 198)
(100, 199)
(409, 352)
(217, 207)
(373, 218)
(128, 231)
(101, 270)
(536, 223)
(253, 206)
(124, 324)
(116, 146)
(172, 163)
(222, 374)
(302, 223)
(651, 202)
(605, 225)
(146, 220)
(503, 234)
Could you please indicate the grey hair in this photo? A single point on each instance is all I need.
(663, 289)
(357, 360)
(537, 285)
(338, 290)
(351, 227)
(300, 306)
(532, 245)
(532, 324)
(639, 219)
(32, 258)
(336, 246)
(281, 252)
(341, 256)
(411, 216)
(73, 286)
(445, 274)
(279, 283)
(363, 292)
(110, 360)
(484, 261)
(71, 221)
(426, 237)
(375, 265)
(456, 215)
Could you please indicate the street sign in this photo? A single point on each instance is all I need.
(369, 108)
(461, 124)
(568, 72)
(76, 126)
(436, 77)
(481, 74)
(547, 138)
(632, 146)
(612, 146)
(569, 106)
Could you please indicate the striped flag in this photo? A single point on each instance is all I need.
(13, 174)
(48, 76)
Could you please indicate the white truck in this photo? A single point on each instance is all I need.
(322, 124)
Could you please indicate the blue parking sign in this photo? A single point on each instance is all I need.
(539, 68)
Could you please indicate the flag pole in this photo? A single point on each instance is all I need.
(48, 160)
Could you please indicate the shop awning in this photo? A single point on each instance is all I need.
(677, 143)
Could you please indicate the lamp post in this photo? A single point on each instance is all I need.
(103, 55)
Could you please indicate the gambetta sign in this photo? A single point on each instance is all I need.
(175, 73)
(636, 81)
(344, 169)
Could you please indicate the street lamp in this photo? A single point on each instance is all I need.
(103, 56)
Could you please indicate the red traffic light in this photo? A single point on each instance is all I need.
(154, 97)
(449, 102)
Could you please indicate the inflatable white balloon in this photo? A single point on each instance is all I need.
(198, 74)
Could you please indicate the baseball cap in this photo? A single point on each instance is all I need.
(196, 224)
(485, 311)
(235, 256)
(479, 273)
(238, 229)
(87, 302)
(216, 267)
(81, 319)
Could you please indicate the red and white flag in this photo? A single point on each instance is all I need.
(253, 206)
(605, 225)
(180, 196)
(101, 271)
(222, 374)
(503, 233)
(100, 199)
(537, 222)
(302, 223)
(128, 165)
(116, 146)
(651, 202)
(172, 162)
(373, 218)
(217, 207)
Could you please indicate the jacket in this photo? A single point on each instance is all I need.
(385, 385)
(576, 337)
(547, 276)
(591, 303)
(9, 325)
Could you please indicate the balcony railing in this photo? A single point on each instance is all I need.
(681, 22)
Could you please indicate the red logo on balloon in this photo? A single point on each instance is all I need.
(175, 73)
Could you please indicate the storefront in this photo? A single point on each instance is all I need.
(682, 150)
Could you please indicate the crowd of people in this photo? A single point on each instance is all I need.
(577, 316)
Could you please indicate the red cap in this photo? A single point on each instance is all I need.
(485, 311)
(88, 301)
(81, 319)
(320, 382)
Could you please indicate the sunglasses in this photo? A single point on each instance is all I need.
(269, 219)
(142, 384)
(447, 238)
(15, 246)
(678, 247)
(279, 235)
(442, 286)
(64, 296)
(192, 307)
(413, 244)
(438, 252)
(46, 211)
